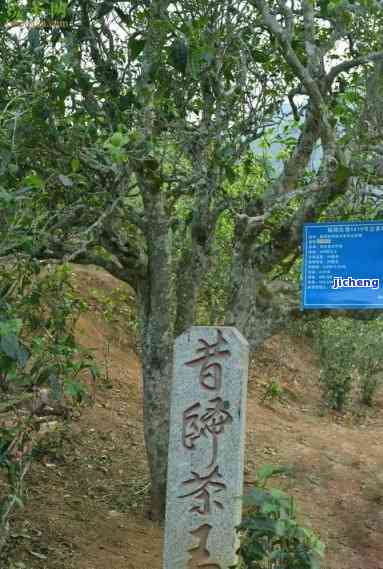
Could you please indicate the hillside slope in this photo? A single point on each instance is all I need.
(88, 493)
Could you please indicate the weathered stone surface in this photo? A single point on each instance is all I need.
(206, 448)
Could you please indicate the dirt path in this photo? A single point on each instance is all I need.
(87, 498)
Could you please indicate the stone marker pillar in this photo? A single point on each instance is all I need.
(206, 448)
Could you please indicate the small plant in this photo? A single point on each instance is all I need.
(271, 536)
(274, 391)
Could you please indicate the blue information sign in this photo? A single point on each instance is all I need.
(343, 265)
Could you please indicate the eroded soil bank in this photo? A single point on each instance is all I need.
(87, 495)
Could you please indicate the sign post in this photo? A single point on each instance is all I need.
(206, 448)
(343, 265)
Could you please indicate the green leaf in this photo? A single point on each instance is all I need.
(27, 244)
(268, 470)
(128, 101)
(270, 508)
(136, 46)
(178, 55)
(261, 524)
(118, 139)
(280, 528)
(59, 9)
(6, 196)
(260, 56)
(10, 346)
(342, 173)
(75, 165)
(74, 389)
(13, 169)
(257, 497)
(33, 180)
(230, 174)
(278, 494)
(7, 365)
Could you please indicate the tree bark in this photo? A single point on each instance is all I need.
(154, 297)
(257, 309)
(192, 267)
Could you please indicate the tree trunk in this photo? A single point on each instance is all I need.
(192, 267)
(258, 309)
(241, 309)
(155, 296)
(249, 306)
(157, 371)
(195, 256)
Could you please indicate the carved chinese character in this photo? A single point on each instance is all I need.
(205, 486)
(210, 376)
(191, 429)
(211, 422)
(200, 556)
(214, 421)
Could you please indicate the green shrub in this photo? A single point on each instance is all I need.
(336, 344)
(369, 385)
(41, 366)
(350, 350)
(306, 325)
(369, 359)
(271, 536)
